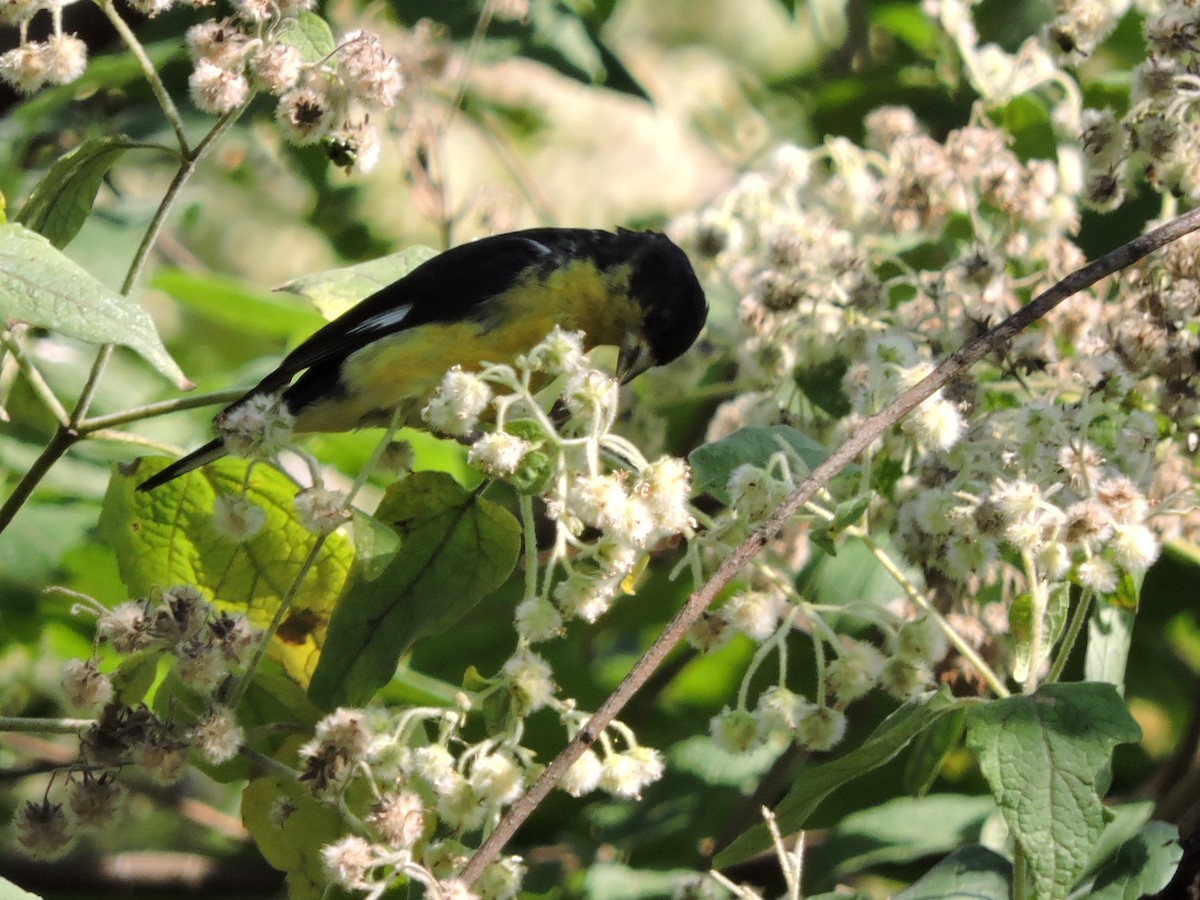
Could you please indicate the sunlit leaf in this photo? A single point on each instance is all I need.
(290, 827)
(310, 34)
(334, 291)
(167, 536)
(41, 286)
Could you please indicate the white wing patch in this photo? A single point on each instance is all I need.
(383, 321)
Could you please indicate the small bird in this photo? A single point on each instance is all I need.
(486, 301)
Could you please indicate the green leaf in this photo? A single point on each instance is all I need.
(846, 515)
(885, 834)
(1040, 755)
(1125, 821)
(135, 675)
(1110, 632)
(455, 548)
(310, 34)
(972, 871)
(1020, 623)
(291, 841)
(714, 463)
(234, 304)
(167, 536)
(63, 199)
(41, 286)
(374, 545)
(334, 291)
(822, 385)
(930, 751)
(1141, 867)
(893, 735)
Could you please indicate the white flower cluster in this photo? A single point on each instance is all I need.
(427, 794)
(205, 645)
(858, 268)
(606, 519)
(32, 65)
(328, 99)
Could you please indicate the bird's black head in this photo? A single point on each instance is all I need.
(673, 305)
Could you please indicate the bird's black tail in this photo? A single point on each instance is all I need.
(194, 460)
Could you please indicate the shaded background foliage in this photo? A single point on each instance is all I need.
(592, 114)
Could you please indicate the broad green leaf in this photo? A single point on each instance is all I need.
(853, 576)
(1041, 755)
(290, 827)
(893, 735)
(41, 286)
(1141, 867)
(885, 834)
(167, 536)
(455, 548)
(237, 305)
(336, 290)
(1110, 631)
(972, 871)
(310, 34)
(714, 463)
(63, 199)
(930, 750)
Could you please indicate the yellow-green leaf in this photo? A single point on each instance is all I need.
(167, 536)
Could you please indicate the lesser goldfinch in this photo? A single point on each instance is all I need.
(486, 301)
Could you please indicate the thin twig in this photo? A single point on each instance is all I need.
(151, 74)
(34, 376)
(151, 410)
(871, 430)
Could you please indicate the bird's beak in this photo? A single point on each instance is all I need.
(634, 358)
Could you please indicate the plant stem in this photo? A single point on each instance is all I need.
(994, 681)
(34, 725)
(1037, 625)
(150, 410)
(160, 91)
(1019, 867)
(34, 377)
(1078, 617)
(69, 432)
(59, 444)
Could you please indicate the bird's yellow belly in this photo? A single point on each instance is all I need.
(402, 371)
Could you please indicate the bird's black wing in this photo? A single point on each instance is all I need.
(451, 287)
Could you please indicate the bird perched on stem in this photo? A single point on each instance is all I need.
(486, 301)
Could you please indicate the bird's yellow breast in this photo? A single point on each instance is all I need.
(403, 369)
